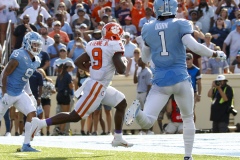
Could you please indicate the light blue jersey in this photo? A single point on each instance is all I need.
(167, 50)
(19, 77)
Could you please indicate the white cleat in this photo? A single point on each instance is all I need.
(131, 113)
(121, 142)
(35, 127)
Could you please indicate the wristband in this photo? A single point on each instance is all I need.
(39, 97)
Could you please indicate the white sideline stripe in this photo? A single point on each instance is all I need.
(205, 144)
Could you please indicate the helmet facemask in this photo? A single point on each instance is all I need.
(35, 47)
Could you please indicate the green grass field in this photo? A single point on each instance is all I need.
(8, 152)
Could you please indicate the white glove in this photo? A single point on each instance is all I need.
(34, 101)
(221, 55)
(125, 61)
(5, 99)
(39, 109)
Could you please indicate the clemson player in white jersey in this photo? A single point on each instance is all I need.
(105, 56)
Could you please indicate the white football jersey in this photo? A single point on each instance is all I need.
(101, 52)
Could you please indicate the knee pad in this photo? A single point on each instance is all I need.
(188, 122)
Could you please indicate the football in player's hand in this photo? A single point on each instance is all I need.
(87, 64)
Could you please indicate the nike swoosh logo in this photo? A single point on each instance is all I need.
(34, 132)
(124, 144)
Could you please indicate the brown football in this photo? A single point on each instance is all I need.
(87, 64)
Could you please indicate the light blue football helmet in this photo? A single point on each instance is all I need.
(32, 42)
(165, 7)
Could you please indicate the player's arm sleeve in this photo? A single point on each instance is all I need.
(196, 47)
(146, 55)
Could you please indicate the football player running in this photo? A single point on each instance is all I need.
(105, 56)
(165, 40)
(15, 89)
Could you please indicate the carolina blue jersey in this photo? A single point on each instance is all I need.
(19, 77)
(167, 50)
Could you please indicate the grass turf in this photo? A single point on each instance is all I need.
(8, 152)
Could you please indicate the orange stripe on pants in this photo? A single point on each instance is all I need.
(89, 95)
(91, 102)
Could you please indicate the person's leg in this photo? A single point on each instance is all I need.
(7, 123)
(67, 125)
(223, 127)
(46, 109)
(195, 101)
(119, 115)
(82, 123)
(88, 103)
(21, 123)
(102, 123)
(16, 120)
(107, 110)
(96, 115)
(3, 110)
(64, 108)
(215, 127)
(40, 116)
(63, 117)
(160, 118)
(156, 100)
(115, 98)
(12, 116)
(56, 127)
(89, 123)
(24, 104)
(184, 97)
(13, 39)
(3, 30)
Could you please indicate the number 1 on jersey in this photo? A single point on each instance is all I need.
(164, 50)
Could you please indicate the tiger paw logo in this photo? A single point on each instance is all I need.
(115, 29)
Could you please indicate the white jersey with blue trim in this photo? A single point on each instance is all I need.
(17, 80)
(168, 53)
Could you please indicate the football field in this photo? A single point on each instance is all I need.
(226, 145)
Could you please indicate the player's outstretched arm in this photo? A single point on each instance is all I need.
(118, 62)
(200, 49)
(82, 62)
(11, 66)
(146, 55)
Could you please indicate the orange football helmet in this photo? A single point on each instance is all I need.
(112, 31)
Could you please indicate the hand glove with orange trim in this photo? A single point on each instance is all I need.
(221, 55)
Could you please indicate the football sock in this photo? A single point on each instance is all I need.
(27, 137)
(144, 121)
(188, 134)
(118, 131)
(49, 121)
(117, 136)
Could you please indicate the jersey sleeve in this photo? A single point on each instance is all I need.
(117, 46)
(185, 27)
(16, 55)
(144, 32)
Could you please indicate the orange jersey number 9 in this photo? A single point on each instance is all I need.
(97, 56)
